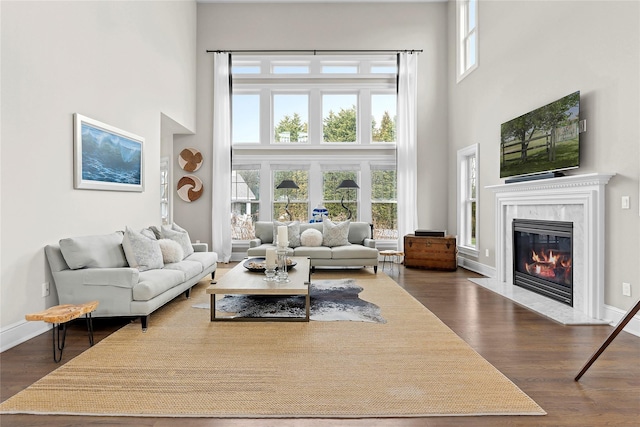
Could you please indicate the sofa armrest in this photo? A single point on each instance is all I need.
(369, 243)
(200, 247)
(254, 243)
(124, 277)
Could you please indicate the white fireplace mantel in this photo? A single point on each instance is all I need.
(579, 199)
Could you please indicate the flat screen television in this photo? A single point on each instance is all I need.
(542, 142)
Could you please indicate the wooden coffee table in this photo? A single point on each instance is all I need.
(240, 281)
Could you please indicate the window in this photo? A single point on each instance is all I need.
(245, 201)
(384, 203)
(291, 204)
(468, 200)
(333, 198)
(467, 36)
(164, 191)
(314, 120)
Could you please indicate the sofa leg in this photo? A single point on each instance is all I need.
(375, 269)
(187, 293)
(145, 322)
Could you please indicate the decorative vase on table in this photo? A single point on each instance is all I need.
(281, 254)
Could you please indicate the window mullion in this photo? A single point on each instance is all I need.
(315, 117)
(265, 116)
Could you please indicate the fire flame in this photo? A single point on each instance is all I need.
(545, 264)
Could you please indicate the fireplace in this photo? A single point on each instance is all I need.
(543, 258)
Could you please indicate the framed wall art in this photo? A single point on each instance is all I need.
(106, 158)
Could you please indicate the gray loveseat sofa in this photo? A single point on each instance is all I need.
(361, 250)
(95, 268)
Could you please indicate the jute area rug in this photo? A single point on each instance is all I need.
(186, 366)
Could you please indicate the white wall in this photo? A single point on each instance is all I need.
(532, 53)
(123, 63)
(328, 26)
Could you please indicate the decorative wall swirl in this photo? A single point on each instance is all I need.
(190, 188)
(190, 159)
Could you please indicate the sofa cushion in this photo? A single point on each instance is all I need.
(152, 283)
(142, 252)
(189, 268)
(358, 231)
(171, 251)
(206, 259)
(311, 237)
(354, 252)
(181, 237)
(335, 234)
(293, 232)
(94, 251)
(318, 252)
(262, 250)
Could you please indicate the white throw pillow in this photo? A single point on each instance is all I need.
(171, 251)
(311, 237)
(335, 234)
(179, 235)
(141, 251)
(293, 232)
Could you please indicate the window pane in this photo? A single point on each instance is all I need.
(333, 198)
(245, 203)
(471, 50)
(290, 118)
(245, 126)
(340, 69)
(473, 224)
(472, 14)
(472, 176)
(290, 69)
(245, 69)
(296, 201)
(384, 69)
(339, 118)
(384, 206)
(383, 122)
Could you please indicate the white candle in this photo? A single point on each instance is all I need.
(271, 257)
(283, 237)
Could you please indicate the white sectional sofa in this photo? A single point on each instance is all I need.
(91, 268)
(360, 249)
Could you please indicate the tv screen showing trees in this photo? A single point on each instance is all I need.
(543, 140)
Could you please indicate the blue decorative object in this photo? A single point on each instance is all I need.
(319, 213)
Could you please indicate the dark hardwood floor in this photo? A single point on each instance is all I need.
(540, 356)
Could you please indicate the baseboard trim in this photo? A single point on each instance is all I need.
(616, 314)
(19, 332)
(476, 267)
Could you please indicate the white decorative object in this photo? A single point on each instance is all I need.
(270, 257)
(171, 251)
(283, 236)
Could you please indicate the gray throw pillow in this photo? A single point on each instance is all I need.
(293, 232)
(335, 234)
(142, 252)
(93, 251)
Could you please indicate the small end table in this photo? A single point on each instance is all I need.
(390, 253)
(59, 315)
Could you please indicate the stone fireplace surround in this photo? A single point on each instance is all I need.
(576, 198)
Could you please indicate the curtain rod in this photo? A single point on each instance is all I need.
(317, 51)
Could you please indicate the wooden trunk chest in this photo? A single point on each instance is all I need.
(433, 253)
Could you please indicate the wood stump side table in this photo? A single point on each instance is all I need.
(59, 315)
(394, 255)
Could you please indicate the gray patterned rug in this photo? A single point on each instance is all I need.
(331, 300)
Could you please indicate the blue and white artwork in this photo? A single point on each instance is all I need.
(109, 157)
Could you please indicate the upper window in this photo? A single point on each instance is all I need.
(467, 37)
(468, 200)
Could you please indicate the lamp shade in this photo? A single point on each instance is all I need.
(348, 183)
(287, 183)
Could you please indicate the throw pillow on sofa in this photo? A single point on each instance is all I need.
(335, 234)
(142, 252)
(171, 251)
(293, 232)
(93, 251)
(180, 235)
(311, 237)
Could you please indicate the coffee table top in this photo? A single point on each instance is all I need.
(239, 280)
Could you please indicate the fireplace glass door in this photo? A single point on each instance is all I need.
(543, 258)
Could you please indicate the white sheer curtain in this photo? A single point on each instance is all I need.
(221, 182)
(407, 163)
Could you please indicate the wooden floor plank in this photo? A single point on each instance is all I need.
(540, 356)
